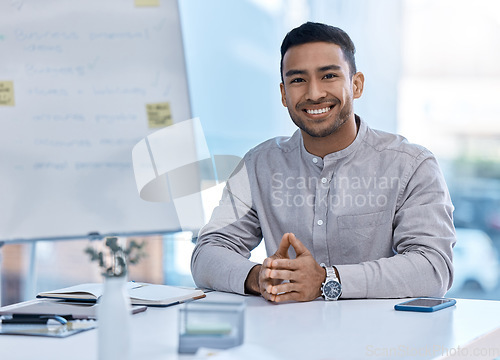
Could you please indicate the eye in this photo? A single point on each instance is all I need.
(296, 80)
(330, 76)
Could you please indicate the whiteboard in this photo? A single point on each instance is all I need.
(82, 74)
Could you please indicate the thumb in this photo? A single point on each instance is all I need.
(300, 248)
(282, 251)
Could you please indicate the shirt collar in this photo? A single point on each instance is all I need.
(318, 161)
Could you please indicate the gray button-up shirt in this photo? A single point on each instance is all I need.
(379, 210)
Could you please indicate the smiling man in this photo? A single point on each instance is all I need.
(345, 211)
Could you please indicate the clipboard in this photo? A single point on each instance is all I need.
(49, 329)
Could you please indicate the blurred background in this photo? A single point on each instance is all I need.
(432, 70)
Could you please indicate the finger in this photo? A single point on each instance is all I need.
(266, 295)
(279, 274)
(282, 288)
(267, 262)
(265, 284)
(265, 279)
(266, 275)
(300, 248)
(282, 251)
(289, 296)
(285, 264)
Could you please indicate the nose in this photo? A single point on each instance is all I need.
(315, 90)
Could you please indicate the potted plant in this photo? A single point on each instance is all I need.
(116, 262)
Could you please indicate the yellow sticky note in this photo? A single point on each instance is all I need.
(147, 2)
(6, 93)
(159, 115)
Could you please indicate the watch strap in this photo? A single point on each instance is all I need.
(330, 272)
(331, 275)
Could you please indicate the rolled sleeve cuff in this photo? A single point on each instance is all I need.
(353, 280)
(239, 275)
(228, 275)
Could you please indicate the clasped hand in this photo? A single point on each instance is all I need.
(284, 279)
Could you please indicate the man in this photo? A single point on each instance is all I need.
(346, 211)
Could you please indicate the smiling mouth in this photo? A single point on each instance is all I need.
(318, 111)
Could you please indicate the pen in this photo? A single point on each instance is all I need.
(31, 319)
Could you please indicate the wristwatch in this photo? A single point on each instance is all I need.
(331, 289)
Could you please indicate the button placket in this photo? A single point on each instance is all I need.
(320, 218)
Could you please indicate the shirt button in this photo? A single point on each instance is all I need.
(315, 160)
(320, 222)
(324, 180)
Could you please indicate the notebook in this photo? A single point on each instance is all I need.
(140, 293)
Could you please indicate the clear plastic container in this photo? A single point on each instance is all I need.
(215, 325)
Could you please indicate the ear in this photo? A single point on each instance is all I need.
(358, 82)
(283, 97)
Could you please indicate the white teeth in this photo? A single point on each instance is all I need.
(318, 111)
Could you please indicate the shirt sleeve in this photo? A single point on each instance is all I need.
(220, 257)
(423, 238)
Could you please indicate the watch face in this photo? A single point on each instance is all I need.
(332, 289)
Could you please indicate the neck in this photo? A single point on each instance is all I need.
(339, 140)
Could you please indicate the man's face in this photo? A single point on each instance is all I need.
(317, 87)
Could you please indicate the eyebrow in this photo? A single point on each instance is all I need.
(329, 67)
(293, 72)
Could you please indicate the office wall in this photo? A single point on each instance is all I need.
(233, 58)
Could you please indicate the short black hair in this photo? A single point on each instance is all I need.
(318, 32)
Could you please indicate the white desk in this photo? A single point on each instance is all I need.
(346, 329)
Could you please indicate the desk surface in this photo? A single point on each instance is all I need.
(346, 329)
